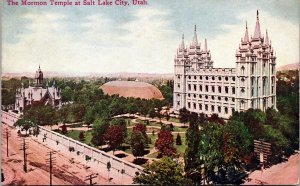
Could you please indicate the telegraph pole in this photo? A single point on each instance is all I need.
(24, 146)
(91, 177)
(51, 161)
(7, 136)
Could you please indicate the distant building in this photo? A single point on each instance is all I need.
(37, 95)
(203, 89)
(133, 89)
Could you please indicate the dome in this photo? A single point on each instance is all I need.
(132, 89)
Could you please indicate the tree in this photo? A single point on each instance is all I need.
(152, 113)
(191, 156)
(99, 128)
(89, 116)
(81, 136)
(183, 115)
(25, 124)
(137, 143)
(114, 137)
(122, 123)
(139, 127)
(64, 129)
(178, 139)
(162, 172)
(164, 143)
(42, 114)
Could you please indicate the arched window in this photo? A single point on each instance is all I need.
(226, 89)
(242, 70)
(219, 109)
(212, 108)
(219, 89)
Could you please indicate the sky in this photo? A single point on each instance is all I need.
(143, 39)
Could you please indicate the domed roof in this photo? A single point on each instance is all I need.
(133, 89)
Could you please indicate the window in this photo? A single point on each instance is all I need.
(206, 97)
(219, 109)
(189, 105)
(189, 95)
(189, 77)
(226, 98)
(233, 78)
(206, 107)
(213, 97)
(226, 90)
(194, 105)
(212, 108)
(178, 86)
(220, 78)
(195, 77)
(243, 70)
(200, 77)
(226, 78)
(233, 90)
(213, 88)
(194, 95)
(195, 87)
(200, 96)
(206, 88)
(226, 110)
(206, 77)
(220, 89)
(200, 87)
(189, 87)
(219, 98)
(200, 106)
(233, 99)
(242, 104)
(213, 78)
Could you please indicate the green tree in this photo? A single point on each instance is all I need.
(162, 172)
(99, 128)
(191, 156)
(178, 139)
(25, 124)
(137, 143)
(184, 115)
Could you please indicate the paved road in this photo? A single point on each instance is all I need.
(286, 173)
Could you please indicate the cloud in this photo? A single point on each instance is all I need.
(146, 42)
(139, 45)
(284, 36)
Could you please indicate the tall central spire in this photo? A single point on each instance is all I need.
(195, 40)
(257, 28)
(246, 37)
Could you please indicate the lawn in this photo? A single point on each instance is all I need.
(74, 134)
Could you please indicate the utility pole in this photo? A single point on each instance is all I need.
(51, 161)
(91, 177)
(24, 146)
(7, 136)
(262, 150)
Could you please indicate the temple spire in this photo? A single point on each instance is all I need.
(205, 45)
(246, 37)
(195, 40)
(182, 42)
(267, 38)
(257, 28)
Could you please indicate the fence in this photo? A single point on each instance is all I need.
(80, 148)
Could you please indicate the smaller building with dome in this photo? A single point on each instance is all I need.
(37, 95)
(134, 89)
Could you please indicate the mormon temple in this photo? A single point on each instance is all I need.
(201, 88)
